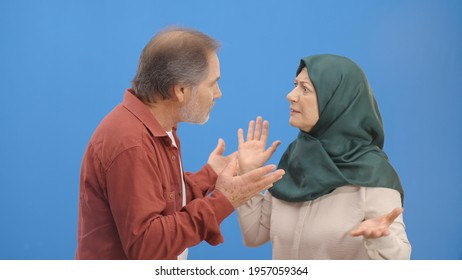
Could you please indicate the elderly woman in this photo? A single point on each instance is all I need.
(340, 197)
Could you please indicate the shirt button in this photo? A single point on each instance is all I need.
(173, 157)
(172, 195)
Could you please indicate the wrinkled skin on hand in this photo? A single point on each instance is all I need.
(239, 189)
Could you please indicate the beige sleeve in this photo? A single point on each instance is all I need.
(396, 246)
(254, 219)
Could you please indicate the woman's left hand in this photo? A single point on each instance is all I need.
(252, 152)
(378, 226)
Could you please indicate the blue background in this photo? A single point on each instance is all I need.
(65, 64)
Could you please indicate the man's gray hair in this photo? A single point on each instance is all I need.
(174, 56)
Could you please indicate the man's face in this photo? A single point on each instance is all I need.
(202, 98)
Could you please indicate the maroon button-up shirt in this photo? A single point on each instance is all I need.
(130, 204)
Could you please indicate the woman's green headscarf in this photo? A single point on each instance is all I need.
(345, 146)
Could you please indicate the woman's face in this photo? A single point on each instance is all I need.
(304, 111)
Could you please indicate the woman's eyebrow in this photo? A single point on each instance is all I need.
(302, 82)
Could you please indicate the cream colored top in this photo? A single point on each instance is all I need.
(319, 229)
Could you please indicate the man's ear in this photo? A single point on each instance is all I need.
(179, 93)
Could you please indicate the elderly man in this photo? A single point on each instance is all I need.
(135, 200)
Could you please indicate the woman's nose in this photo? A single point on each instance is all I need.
(292, 96)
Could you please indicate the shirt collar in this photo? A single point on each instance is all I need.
(141, 111)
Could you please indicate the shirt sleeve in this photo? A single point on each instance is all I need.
(137, 200)
(200, 183)
(396, 246)
(254, 219)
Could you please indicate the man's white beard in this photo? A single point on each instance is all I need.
(190, 112)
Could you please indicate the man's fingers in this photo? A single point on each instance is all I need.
(258, 188)
(269, 179)
(255, 174)
(263, 176)
(220, 148)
